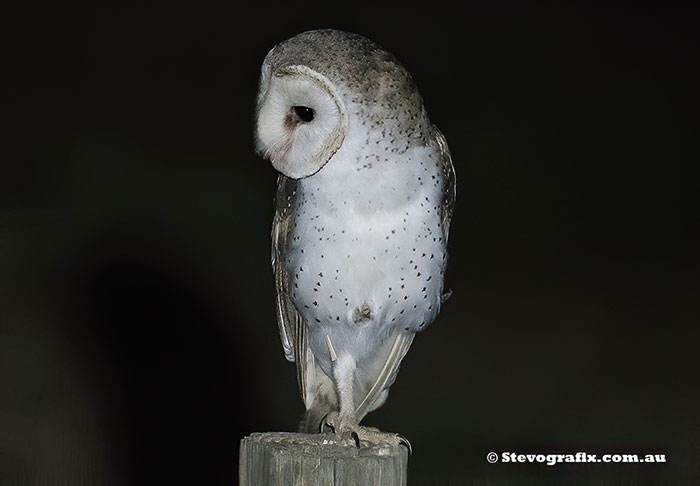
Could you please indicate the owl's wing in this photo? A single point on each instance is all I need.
(292, 325)
(385, 375)
(449, 191)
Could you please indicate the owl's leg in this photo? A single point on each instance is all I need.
(344, 422)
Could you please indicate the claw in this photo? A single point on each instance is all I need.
(356, 438)
(404, 442)
(328, 421)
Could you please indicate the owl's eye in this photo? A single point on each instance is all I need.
(304, 113)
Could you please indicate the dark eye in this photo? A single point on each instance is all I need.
(304, 113)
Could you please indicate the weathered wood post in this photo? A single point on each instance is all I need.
(284, 458)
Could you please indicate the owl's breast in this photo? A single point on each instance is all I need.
(373, 260)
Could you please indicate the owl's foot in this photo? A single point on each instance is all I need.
(346, 427)
(374, 436)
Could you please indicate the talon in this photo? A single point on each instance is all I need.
(328, 421)
(404, 442)
(356, 438)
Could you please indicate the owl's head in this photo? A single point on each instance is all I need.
(311, 83)
(301, 119)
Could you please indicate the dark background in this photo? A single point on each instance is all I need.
(138, 341)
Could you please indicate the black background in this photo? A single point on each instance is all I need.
(138, 341)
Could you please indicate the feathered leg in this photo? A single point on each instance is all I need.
(344, 422)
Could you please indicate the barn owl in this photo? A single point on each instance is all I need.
(363, 207)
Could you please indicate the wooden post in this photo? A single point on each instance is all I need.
(284, 458)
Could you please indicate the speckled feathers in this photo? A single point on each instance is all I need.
(363, 72)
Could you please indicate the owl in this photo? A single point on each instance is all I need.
(359, 239)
